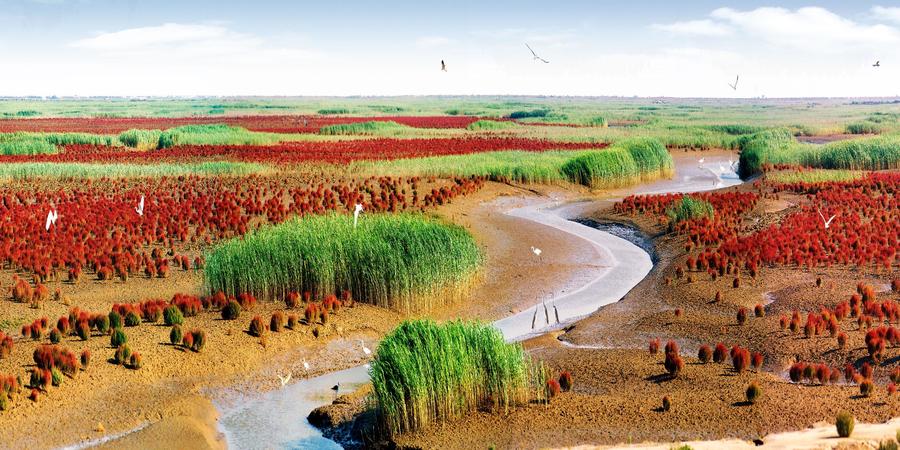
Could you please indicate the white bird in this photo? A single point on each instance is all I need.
(306, 366)
(365, 349)
(443, 66)
(701, 160)
(140, 207)
(52, 216)
(536, 57)
(826, 222)
(734, 86)
(285, 379)
(537, 252)
(356, 212)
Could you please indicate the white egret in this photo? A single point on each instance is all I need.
(140, 207)
(285, 379)
(52, 216)
(356, 212)
(826, 222)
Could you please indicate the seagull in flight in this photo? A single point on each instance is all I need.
(356, 212)
(140, 208)
(286, 379)
(52, 216)
(826, 222)
(877, 64)
(734, 86)
(536, 57)
(443, 66)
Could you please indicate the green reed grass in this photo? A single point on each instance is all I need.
(492, 125)
(624, 163)
(47, 143)
(216, 134)
(140, 139)
(779, 147)
(814, 176)
(397, 261)
(366, 128)
(424, 373)
(74, 171)
(689, 208)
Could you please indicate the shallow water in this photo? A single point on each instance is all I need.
(277, 419)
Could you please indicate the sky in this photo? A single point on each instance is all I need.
(595, 48)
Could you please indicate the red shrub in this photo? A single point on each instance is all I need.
(654, 347)
(565, 381)
(704, 354)
(720, 353)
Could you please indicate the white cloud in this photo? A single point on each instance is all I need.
(137, 38)
(188, 42)
(809, 28)
(891, 13)
(703, 27)
(432, 41)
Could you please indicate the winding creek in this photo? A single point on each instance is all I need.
(277, 419)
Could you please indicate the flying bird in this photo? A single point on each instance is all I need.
(140, 208)
(285, 379)
(826, 222)
(443, 66)
(52, 216)
(734, 86)
(356, 212)
(536, 57)
(877, 64)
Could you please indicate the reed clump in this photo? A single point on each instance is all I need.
(397, 261)
(424, 373)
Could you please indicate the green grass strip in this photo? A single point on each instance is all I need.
(74, 171)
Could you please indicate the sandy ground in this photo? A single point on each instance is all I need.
(169, 394)
(619, 386)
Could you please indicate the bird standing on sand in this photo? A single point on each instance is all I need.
(443, 66)
(306, 366)
(365, 349)
(536, 57)
(536, 251)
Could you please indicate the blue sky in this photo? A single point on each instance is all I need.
(646, 48)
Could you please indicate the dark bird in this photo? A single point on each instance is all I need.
(336, 387)
(734, 86)
(536, 57)
(443, 66)
(877, 64)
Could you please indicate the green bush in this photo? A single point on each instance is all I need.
(117, 338)
(122, 355)
(172, 316)
(333, 111)
(528, 114)
(132, 319)
(624, 163)
(753, 392)
(175, 335)
(102, 324)
(56, 376)
(844, 424)
(689, 208)
(115, 320)
(232, 310)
